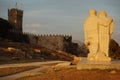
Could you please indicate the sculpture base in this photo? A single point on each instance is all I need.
(98, 57)
(85, 64)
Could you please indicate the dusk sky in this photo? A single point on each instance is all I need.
(61, 16)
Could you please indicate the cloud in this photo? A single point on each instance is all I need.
(34, 12)
(35, 25)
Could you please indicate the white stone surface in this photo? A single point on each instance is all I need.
(98, 30)
(91, 33)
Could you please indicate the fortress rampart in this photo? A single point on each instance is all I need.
(53, 42)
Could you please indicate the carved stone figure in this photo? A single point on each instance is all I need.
(105, 32)
(97, 32)
(91, 33)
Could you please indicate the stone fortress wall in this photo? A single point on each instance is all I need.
(53, 42)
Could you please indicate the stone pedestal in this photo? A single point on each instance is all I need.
(85, 64)
(98, 57)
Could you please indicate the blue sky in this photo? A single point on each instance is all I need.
(62, 16)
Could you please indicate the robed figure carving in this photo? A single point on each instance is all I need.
(97, 31)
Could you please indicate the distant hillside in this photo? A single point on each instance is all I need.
(79, 42)
(114, 49)
(20, 52)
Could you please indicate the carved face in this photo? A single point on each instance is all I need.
(102, 13)
(92, 12)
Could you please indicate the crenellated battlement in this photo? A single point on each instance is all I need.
(41, 35)
(50, 41)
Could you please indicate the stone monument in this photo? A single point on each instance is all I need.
(97, 30)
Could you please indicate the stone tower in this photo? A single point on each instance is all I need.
(15, 17)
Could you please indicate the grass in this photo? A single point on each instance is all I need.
(14, 70)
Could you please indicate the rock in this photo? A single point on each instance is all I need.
(10, 49)
(61, 66)
(75, 60)
(37, 50)
(113, 72)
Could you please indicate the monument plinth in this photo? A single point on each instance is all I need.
(102, 65)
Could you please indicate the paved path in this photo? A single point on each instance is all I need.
(30, 72)
(29, 64)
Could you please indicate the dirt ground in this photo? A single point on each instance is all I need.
(73, 74)
(13, 70)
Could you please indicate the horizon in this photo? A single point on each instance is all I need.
(62, 17)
